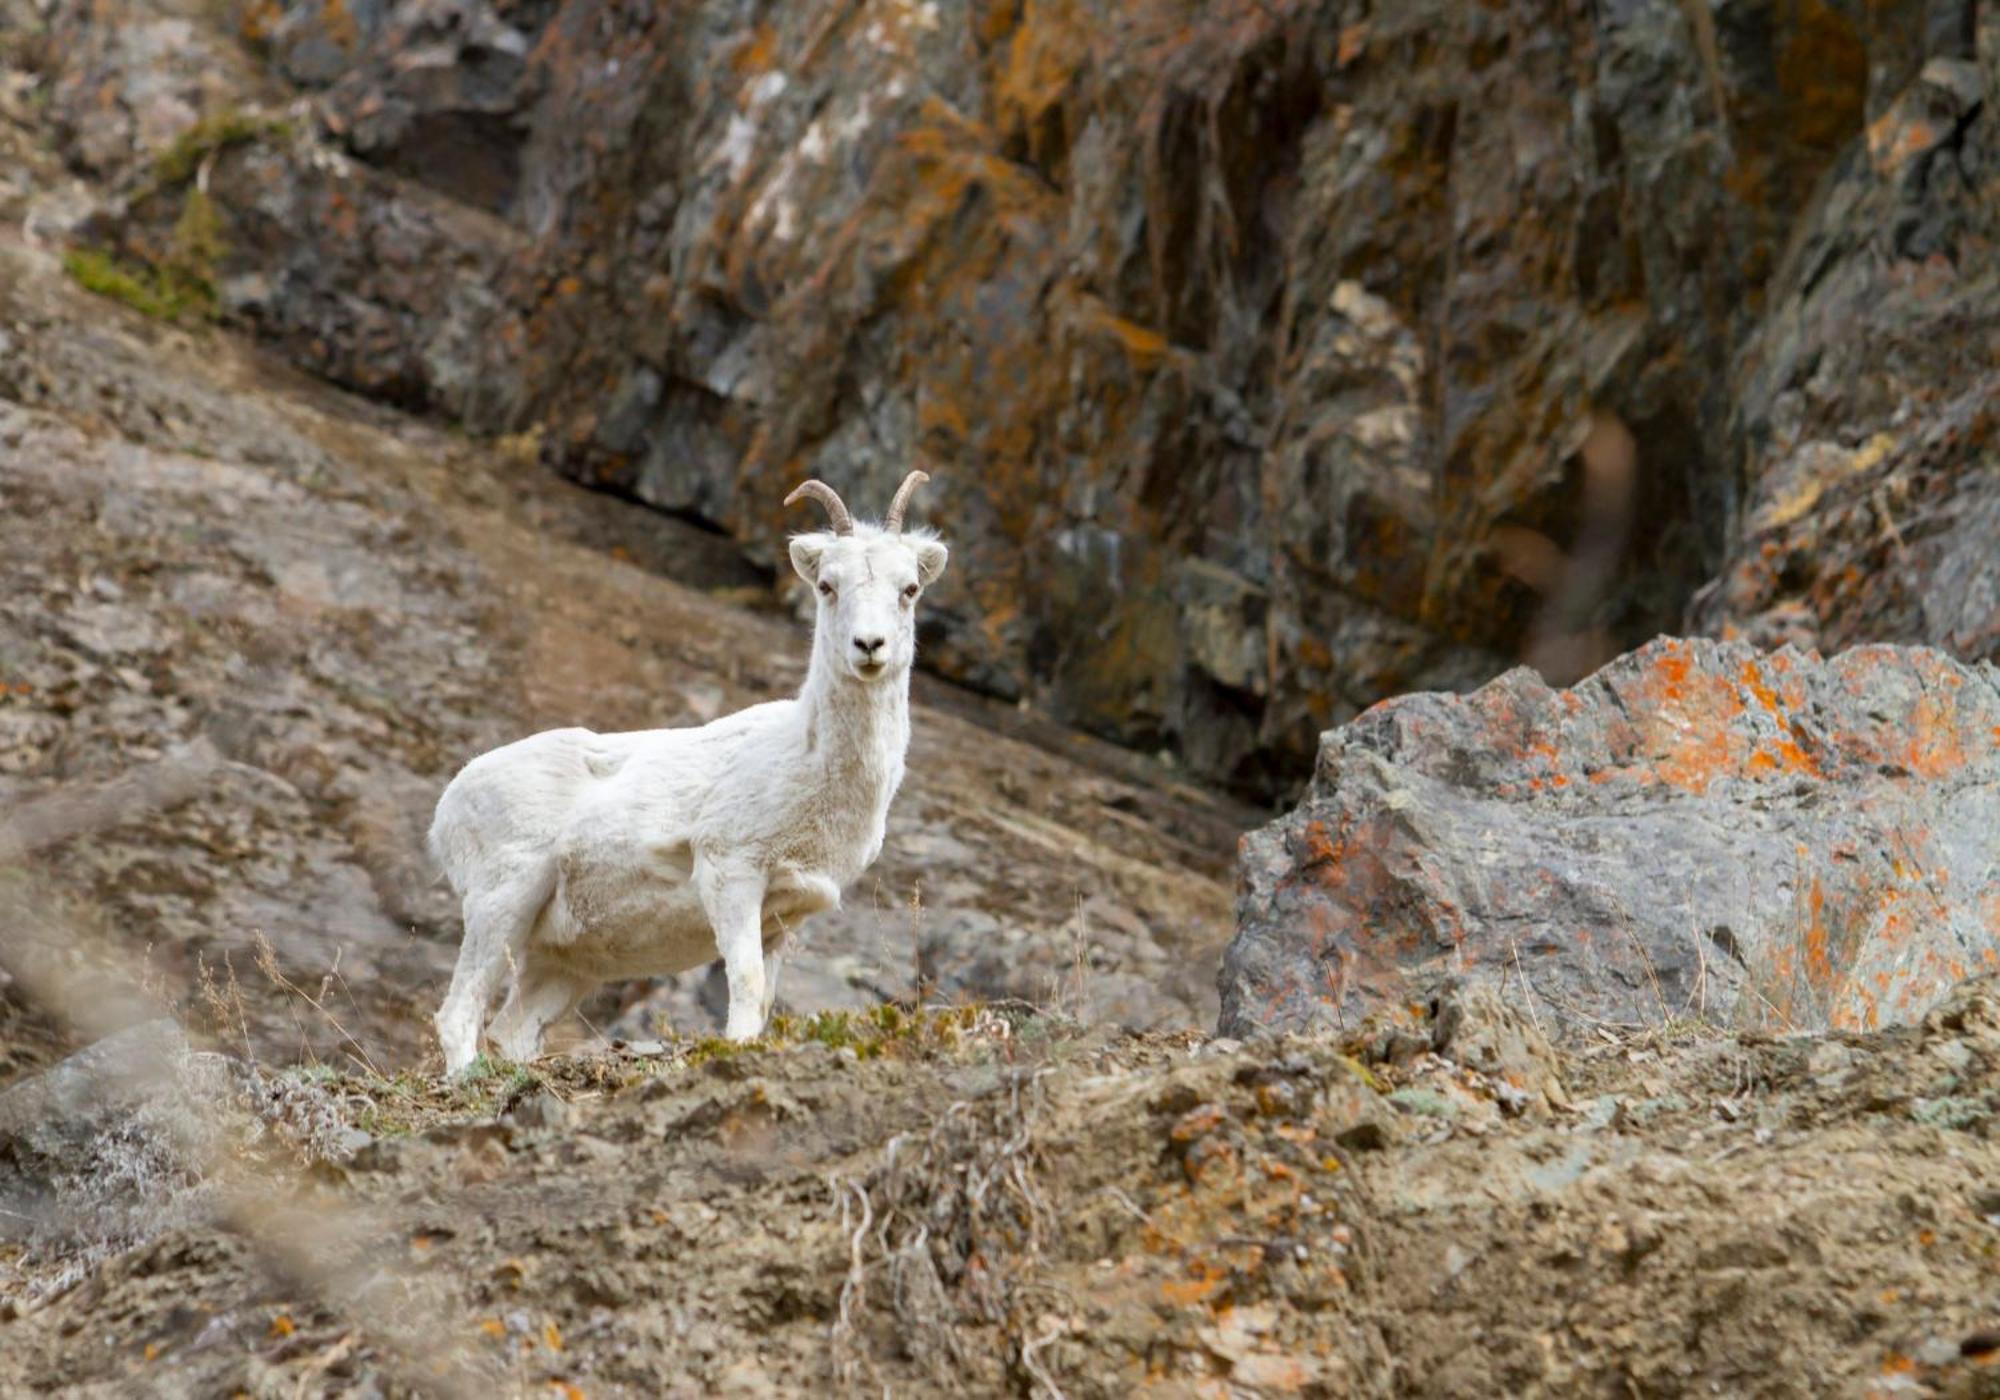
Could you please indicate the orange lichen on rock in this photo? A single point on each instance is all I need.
(1758, 683)
(758, 52)
(1697, 757)
(1145, 346)
(1934, 746)
(1204, 1283)
(1318, 847)
(1819, 967)
(1684, 719)
(1042, 58)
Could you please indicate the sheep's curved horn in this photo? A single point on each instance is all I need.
(836, 509)
(893, 521)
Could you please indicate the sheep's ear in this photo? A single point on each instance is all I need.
(807, 551)
(931, 556)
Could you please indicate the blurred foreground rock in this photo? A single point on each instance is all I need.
(1697, 831)
(139, 1134)
(109, 1144)
(49, 1120)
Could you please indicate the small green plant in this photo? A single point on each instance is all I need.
(483, 1068)
(885, 1029)
(714, 1047)
(410, 1101)
(314, 1073)
(153, 292)
(179, 285)
(197, 243)
(1678, 1029)
(1950, 1111)
(213, 133)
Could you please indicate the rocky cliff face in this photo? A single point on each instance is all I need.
(1867, 396)
(1255, 346)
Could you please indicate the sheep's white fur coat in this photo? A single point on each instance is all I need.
(583, 858)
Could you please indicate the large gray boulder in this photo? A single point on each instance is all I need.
(1697, 830)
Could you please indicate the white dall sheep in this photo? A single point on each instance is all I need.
(584, 858)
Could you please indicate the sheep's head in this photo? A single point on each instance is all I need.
(868, 579)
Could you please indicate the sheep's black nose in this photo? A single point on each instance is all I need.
(868, 646)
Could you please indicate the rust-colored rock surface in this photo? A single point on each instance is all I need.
(1698, 830)
(1257, 347)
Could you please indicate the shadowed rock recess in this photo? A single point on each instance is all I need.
(1252, 344)
(1699, 830)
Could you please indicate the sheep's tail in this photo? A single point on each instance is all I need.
(438, 840)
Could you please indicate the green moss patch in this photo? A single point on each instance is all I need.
(157, 292)
(180, 285)
(213, 133)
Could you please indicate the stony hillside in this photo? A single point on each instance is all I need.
(1272, 358)
(251, 622)
(977, 1202)
(343, 605)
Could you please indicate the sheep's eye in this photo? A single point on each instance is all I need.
(910, 593)
(826, 590)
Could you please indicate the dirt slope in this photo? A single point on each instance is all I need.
(975, 1203)
(348, 604)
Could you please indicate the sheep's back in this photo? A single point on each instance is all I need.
(508, 805)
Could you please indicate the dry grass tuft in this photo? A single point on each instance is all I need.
(944, 1234)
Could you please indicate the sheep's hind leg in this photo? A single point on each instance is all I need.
(540, 998)
(497, 924)
(774, 959)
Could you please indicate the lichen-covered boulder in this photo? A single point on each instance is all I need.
(1698, 830)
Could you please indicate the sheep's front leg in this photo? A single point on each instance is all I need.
(733, 899)
(791, 895)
